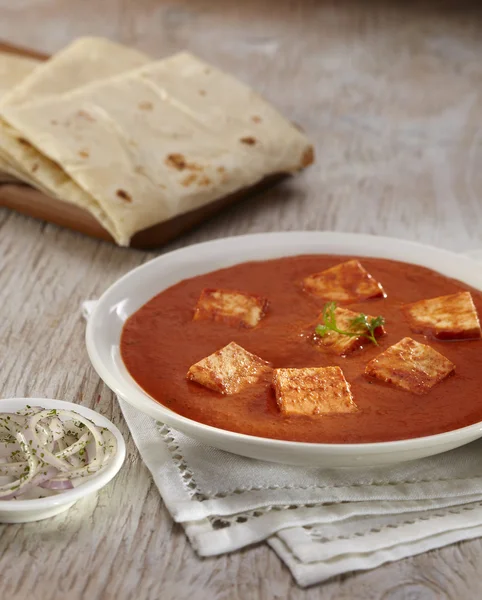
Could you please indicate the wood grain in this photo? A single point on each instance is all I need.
(391, 94)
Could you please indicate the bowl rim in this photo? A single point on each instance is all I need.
(94, 484)
(156, 409)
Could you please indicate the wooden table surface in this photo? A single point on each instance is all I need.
(391, 94)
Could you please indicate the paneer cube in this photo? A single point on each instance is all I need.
(411, 366)
(229, 370)
(231, 307)
(452, 317)
(346, 282)
(314, 391)
(337, 342)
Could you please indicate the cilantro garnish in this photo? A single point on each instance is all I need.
(360, 326)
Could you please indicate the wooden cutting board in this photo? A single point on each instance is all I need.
(29, 201)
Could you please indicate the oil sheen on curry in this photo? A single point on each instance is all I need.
(329, 349)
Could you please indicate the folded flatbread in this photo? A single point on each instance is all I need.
(156, 142)
(85, 60)
(13, 69)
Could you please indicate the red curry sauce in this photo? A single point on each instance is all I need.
(161, 341)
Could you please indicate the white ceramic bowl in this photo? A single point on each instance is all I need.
(25, 511)
(134, 289)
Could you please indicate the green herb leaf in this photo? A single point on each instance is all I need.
(360, 326)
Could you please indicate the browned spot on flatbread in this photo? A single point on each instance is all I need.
(84, 153)
(146, 105)
(34, 167)
(308, 157)
(256, 119)
(124, 195)
(248, 140)
(179, 162)
(54, 122)
(139, 169)
(85, 115)
(221, 169)
(204, 180)
(202, 92)
(189, 179)
(176, 161)
(24, 142)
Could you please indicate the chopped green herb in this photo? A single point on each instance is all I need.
(360, 326)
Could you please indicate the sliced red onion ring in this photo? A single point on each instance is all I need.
(50, 449)
(62, 484)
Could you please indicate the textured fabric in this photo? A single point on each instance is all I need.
(321, 523)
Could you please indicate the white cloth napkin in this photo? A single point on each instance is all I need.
(321, 523)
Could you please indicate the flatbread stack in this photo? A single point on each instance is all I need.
(13, 69)
(138, 142)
